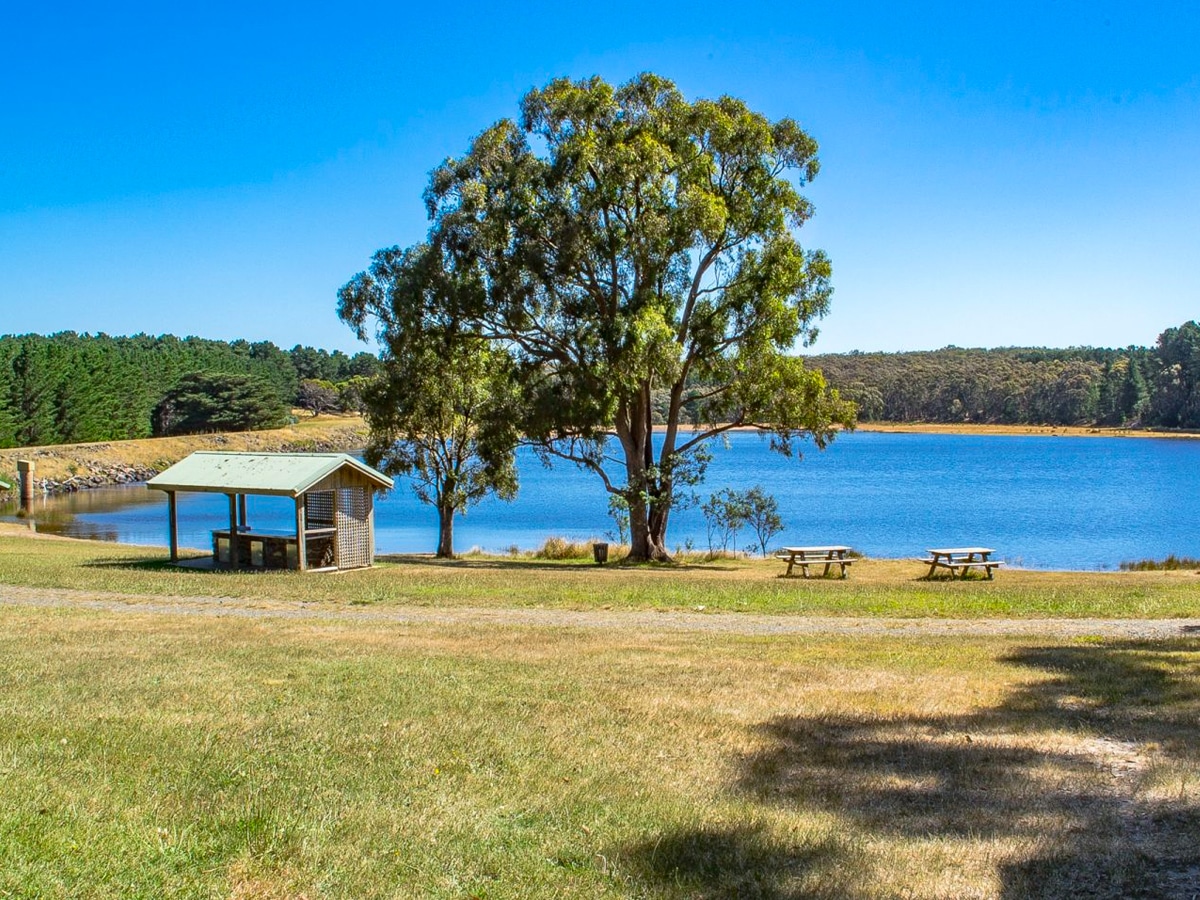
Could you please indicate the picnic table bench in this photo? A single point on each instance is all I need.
(960, 560)
(259, 549)
(815, 556)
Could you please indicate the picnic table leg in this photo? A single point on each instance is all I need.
(825, 574)
(791, 561)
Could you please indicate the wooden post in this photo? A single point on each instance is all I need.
(25, 471)
(370, 523)
(234, 562)
(301, 545)
(173, 525)
(337, 531)
(242, 511)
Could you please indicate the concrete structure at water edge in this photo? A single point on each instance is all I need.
(333, 494)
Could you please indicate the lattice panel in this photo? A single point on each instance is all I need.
(353, 527)
(318, 509)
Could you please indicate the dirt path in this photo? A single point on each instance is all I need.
(634, 620)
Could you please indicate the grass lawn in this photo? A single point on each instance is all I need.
(166, 754)
(874, 588)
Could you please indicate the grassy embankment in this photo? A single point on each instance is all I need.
(146, 753)
(63, 461)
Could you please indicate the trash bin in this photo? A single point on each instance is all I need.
(600, 552)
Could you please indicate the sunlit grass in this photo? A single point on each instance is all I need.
(874, 588)
(164, 755)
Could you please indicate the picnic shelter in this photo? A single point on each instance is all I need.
(334, 501)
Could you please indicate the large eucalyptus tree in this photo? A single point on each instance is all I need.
(627, 248)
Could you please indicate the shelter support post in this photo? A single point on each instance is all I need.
(301, 545)
(234, 562)
(173, 526)
(242, 511)
(25, 477)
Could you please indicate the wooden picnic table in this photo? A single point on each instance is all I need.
(960, 560)
(815, 556)
(269, 549)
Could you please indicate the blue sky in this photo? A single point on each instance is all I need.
(992, 174)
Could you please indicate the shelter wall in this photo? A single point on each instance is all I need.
(344, 478)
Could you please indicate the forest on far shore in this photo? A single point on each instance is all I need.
(1139, 387)
(72, 388)
(69, 388)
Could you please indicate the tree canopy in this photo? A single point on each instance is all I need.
(218, 401)
(442, 412)
(621, 244)
(68, 387)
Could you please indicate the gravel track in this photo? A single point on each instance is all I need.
(641, 621)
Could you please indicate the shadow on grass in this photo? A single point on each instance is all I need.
(740, 862)
(1059, 768)
(141, 564)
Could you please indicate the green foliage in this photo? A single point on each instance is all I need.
(725, 513)
(634, 255)
(70, 388)
(440, 413)
(762, 515)
(217, 401)
(1175, 400)
(1010, 386)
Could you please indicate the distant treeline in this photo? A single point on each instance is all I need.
(1156, 387)
(71, 388)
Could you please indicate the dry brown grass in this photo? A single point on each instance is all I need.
(1023, 430)
(61, 461)
(336, 759)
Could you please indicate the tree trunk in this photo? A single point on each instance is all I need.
(647, 532)
(647, 519)
(659, 514)
(445, 548)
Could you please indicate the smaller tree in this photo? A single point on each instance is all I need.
(618, 509)
(762, 515)
(725, 512)
(350, 392)
(438, 416)
(218, 401)
(317, 396)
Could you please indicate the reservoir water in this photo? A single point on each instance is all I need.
(1043, 502)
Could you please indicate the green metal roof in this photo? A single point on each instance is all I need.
(286, 474)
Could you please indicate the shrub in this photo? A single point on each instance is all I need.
(561, 548)
(1171, 563)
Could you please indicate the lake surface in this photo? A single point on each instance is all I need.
(1043, 502)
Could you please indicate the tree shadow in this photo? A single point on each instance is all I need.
(160, 566)
(741, 862)
(134, 564)
(1061, 768)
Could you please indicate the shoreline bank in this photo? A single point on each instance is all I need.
(65, 468)
(1020, 430)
